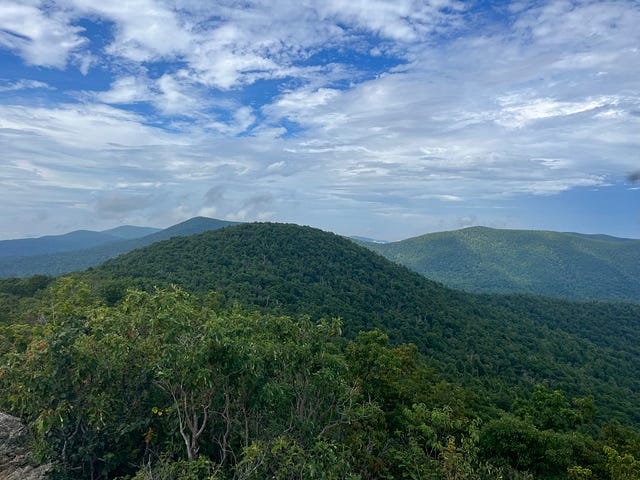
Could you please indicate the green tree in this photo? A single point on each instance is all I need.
(82, 386)
(622, 467)
(550, 410)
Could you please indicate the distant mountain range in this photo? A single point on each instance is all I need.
(57, 255)
(477, 259)
(567, 265)
(80, 239)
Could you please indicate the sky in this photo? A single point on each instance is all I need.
(380, 118)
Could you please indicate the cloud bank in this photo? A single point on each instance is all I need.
(382, 118)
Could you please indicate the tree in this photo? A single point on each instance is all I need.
(82, 386)
(550, 410)
(622, 467)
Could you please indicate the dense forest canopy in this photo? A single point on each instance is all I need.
(487, 260)
(293, 270)
(279, 351)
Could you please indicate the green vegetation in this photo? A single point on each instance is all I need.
(513, 342)
(81, 250)
(568, 265)
(279, 351)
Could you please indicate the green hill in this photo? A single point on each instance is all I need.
(116, 377)
(480, 259)
(500, 346)
(81, 250)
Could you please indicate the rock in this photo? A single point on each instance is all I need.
(15, 453)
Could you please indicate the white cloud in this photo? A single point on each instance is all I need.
(580, 23)
(41, 38)
(144, 30)
(275, 166)
(401, 20)
(304, 100)
(24, 84)
(176, 95)
(446, 124)
(517, 112)
(543, 100)
(442, 198)
(241, 120)
(82, 126)
(127, 89)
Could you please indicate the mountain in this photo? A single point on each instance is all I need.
(130, 231)
(54, 243)
(567, 265)
(77, 240)
(498, 346)
(80, 253)
(186, 228)
(367, 239)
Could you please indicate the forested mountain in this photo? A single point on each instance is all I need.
(80, 239)
(131, 231)
(83, 249)
(516, 340)
(218, 355)
(480, 259)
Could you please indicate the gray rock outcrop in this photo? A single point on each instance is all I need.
(15, 452)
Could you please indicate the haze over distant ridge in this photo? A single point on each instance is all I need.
(79, 254)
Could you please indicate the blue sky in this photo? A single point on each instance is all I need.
(386, 119)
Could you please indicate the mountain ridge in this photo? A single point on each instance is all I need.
(74, 260)
(485, 260)
(477, 259)
(535, 383)
(293, 270)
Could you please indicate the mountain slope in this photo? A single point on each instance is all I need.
(480, 259)
(122, 240)
(131, 231)
(499, 346)
(77, 240)
(54, 243)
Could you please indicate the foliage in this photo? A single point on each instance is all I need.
(117, 378)
(480, 259)
(499, 346)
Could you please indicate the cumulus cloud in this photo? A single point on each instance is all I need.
(41, 37)
(144, 30)
(240, 120)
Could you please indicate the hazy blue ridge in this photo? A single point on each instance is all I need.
(76, 240)
(54, 243)
(131, 231)
(88, 255)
